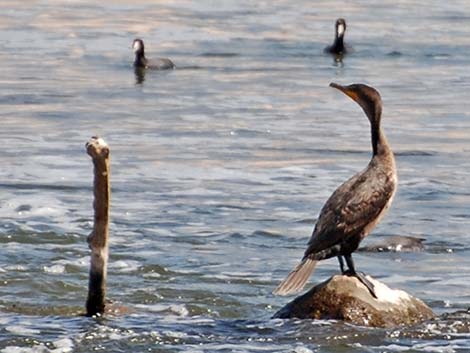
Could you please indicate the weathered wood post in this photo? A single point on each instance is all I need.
(98, 238)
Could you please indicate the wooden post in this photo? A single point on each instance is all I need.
(98, 238)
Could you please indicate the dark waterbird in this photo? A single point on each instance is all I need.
(141, 62)
(356, 206)
(338, 47)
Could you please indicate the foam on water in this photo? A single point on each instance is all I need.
(22, 330)
(63, 345)
(35, 349)
(179, 310)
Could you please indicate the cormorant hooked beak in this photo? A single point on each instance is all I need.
(367, 97)
(347, 91)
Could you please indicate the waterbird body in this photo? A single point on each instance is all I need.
(356, 206)
(338, 47)
(141, 62)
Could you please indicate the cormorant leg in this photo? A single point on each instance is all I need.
(341, 264)
(359, 275)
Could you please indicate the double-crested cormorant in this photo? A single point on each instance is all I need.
(338, 47)
(355, 207)
(141, 62)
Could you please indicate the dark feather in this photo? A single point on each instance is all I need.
(354, 206)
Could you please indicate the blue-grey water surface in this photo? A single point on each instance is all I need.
(220, 167)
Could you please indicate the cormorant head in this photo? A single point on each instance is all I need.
(367, 97)
(340, 27)
(138, 46)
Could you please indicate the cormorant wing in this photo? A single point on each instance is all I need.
(160, 64)
(354, 205)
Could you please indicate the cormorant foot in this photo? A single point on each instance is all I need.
(361, 276)
(341, 265)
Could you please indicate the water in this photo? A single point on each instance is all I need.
(220, 167)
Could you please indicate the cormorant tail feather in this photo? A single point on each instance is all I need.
(296, 280)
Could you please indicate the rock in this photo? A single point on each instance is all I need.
(395, 243)
(346, 298)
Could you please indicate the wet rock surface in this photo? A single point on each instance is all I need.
(395, 243)
(346, 298)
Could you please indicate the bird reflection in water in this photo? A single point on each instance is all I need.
(139, 73)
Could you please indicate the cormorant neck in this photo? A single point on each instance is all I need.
(339, 44)
(380, 144)
(379, 141)
(140, 60)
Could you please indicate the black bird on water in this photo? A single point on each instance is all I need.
(338, 47)
(354, 209)
(141, 62)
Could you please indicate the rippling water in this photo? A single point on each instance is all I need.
(220, 167)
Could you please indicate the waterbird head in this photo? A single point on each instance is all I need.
(367, 97)
(138, 46)
(340, 27)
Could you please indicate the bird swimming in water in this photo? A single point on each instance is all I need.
(338, 47)
(356, 206)
(141, 62)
